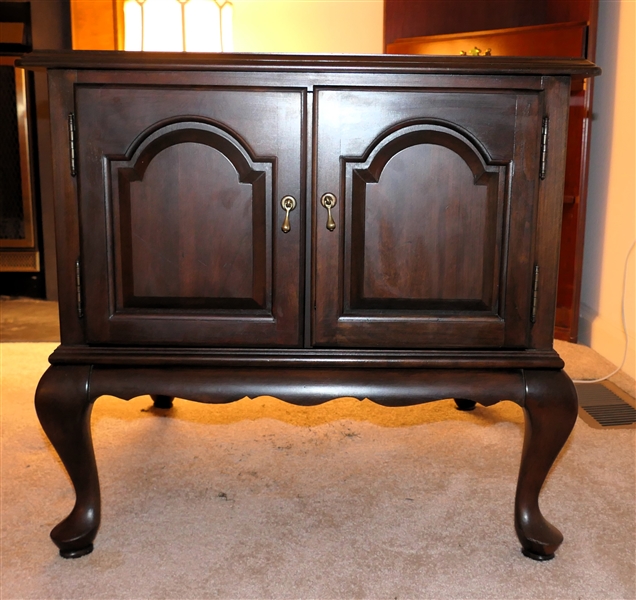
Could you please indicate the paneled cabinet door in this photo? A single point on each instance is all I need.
(424, 212)
(180, 201)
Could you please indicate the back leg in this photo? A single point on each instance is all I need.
(464, 404)
(161, 401)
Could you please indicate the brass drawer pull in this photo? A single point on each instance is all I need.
(289, 204)
(329, 201)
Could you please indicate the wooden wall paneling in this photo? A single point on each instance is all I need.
(410, 18)
(554, 39)
(559, 11)
(573, 226)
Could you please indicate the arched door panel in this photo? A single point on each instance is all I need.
(432, 194)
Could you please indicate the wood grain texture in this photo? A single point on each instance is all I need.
(195, 215)
(403, 216)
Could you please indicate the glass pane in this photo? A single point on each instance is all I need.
(227, 25)
(132, 25)
(203, 26)
(162, 26)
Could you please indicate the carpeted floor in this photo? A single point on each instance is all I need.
(260, 499)
(28, 320)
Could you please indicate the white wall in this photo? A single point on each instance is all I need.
(323, 26)
(611, 216)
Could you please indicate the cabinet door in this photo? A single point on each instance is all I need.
(180, 198)
(435, 199)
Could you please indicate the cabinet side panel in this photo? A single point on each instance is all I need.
(550, 210)
(67, 236)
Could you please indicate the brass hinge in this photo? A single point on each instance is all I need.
(543, 161)
(71, 143)
(78, 288)
(535, 294)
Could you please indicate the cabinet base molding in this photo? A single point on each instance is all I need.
(66, 393)
(307, 358)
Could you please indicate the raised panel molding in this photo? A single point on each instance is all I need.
(471, 195)
(188, 192)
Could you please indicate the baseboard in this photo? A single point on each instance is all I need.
(607, 339)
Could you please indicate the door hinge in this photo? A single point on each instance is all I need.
(535, 294)
(71, 143)
(78, 288)
(543, 160)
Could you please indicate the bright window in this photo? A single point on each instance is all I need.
(178, 25)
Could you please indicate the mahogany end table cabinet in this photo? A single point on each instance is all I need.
(308, 227)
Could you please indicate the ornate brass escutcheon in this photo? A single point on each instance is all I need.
(476, 52)
(329, 201)
(289, 204)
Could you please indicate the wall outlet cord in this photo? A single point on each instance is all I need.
(624, 326)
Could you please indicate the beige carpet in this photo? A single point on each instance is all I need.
(28, 320)
(261, 499)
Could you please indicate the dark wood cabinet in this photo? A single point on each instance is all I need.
(307, 227)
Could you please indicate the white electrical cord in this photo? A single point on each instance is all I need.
(624, 327)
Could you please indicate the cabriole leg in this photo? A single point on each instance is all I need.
(550, 413)
(63, 405)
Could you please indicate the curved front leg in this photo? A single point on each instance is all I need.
(63, 405)
(550, 413)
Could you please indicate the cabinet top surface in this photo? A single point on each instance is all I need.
(313, 63)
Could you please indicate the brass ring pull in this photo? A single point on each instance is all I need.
(289, 204)
(329, 201)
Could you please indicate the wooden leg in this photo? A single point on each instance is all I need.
(63, 405)
(160, 401)
(464, 404)
(550, 408)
